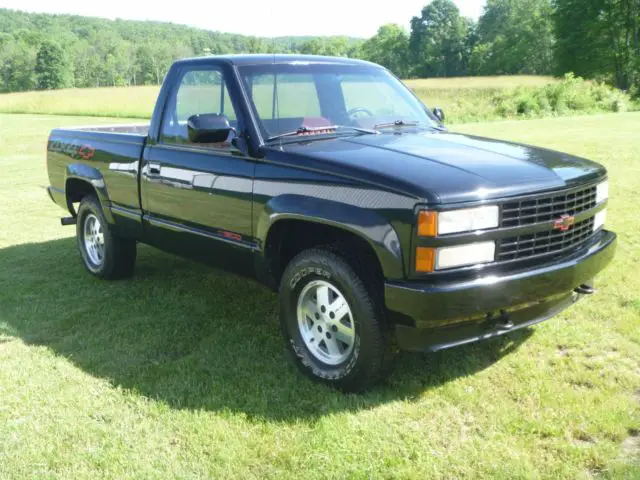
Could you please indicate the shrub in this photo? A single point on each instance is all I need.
(570, 95)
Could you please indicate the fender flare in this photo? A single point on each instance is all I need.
(365, 223)
(92, 176)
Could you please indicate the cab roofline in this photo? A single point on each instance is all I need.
(263, 59)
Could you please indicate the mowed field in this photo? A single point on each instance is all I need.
(181, 371)
(454, 95)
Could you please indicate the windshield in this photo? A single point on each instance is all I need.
(321, 98)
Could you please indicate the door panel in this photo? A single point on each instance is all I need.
(199, 203)
(196, 198)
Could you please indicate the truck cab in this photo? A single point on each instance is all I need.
(327, 180)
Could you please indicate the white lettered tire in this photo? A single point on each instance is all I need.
(332, 322)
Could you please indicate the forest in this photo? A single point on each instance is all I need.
(594, 39)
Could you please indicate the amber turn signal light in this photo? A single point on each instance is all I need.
(427, 224)
(425, 259)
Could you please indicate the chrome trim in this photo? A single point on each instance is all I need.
(176, 227)
(126, 212)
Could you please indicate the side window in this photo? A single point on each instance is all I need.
(199, 92)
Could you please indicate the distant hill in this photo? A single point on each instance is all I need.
(90, 52)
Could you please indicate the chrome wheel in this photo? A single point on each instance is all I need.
(94, 239)
(325, 322)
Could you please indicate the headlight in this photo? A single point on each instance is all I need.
(429, 259)
(599, 219)
(602, 191)
(431, 224)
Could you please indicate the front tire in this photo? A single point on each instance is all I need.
(333, 322)
(103, 252)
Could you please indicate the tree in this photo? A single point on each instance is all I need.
(256, 45)
(86, 65)
(51, 69)
(390, 48)
(153, 60)
(333, 46)
(438, 40)
(17, 64)
(599, 39)
(514, 36)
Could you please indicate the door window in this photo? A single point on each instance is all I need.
(198, 92)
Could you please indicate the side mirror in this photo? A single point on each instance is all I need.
(208, 128)
(439, 113)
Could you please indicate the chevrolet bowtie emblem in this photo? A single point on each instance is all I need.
(564, 223)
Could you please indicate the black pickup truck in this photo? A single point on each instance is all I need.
(329, 181)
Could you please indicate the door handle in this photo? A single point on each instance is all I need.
(154, 169)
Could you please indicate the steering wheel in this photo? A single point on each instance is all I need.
(355, 111)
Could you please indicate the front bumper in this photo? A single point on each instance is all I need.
(434, 316)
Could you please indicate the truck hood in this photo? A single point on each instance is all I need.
(446, 167)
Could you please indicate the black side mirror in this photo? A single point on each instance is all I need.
(439, 113)
(208, 128)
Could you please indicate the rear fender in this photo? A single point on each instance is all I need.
(92, 176)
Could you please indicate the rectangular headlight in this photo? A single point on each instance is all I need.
(599, 219)
(461, 255)
(602, 191)
(467, 219)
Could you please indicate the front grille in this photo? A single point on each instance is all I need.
(547, 208)
(544, 243)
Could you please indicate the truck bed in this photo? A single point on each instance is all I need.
(106, 153)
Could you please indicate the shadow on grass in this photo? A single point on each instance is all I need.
(191, 337)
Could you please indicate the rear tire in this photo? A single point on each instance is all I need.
(333, 322)
(104, 254)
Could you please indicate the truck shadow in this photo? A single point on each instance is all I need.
(191, 337)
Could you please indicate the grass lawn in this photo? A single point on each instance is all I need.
(181, 371)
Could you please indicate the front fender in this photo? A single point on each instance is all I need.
(363, 222)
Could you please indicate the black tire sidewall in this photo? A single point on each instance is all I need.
(318, 265)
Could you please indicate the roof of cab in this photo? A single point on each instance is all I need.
(261, 59)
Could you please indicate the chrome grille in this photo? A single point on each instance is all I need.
(544, 243)
(547, 208)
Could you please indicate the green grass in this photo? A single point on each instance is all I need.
(464, 99)
(181, 372)
(132, 102)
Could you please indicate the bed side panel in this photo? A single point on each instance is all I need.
(113, 156)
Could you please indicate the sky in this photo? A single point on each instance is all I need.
(265, 18)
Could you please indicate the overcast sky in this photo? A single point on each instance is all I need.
(357, 18)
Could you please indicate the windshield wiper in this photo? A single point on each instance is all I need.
(321, 130)
(398, 123)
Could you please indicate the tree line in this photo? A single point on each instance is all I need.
(43, 51)
(597, 39)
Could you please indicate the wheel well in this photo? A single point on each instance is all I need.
(76, 190)
(287, 238)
